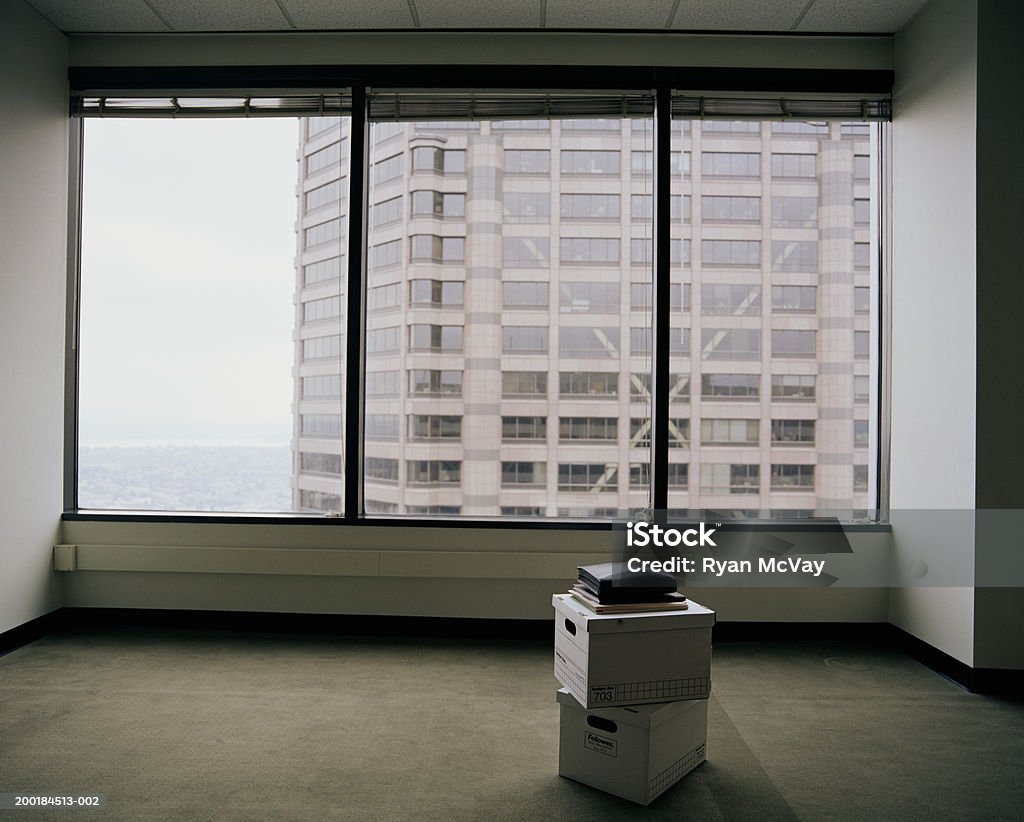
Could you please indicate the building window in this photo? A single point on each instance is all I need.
(527, 295)
(323, 233)
(639, 476)
(524, 339)
(588, 476)
(738, 253)
(588, 428)
(860, 478)
(794, 165)
(439, 293)
(324, 195)
(385, 171)
(730, 478)
(719, 209)
(320, 348)
(384, 297)
(730, 386)
(793, 431)
(793, 386)
(588, 298)
(861, 433)
(385, 254)
(320, 425)
(678, 475)
(794, 255)
(436, 204)
(590, 162)
(326, 385)
(588, 342)
(524, 428)
(736, 300)
(387, 212)
(588, 384)
(381, 426)
(589, 250)
(730, 164)
(431, 248)
(313, 462)
(328, 308)
(794, 298)
(435, 382)
(382, 384)
(381, 469)
(383, 340)
(730, 344)
(794, 212)
(524, 384)
(527, 207)
(438, 160)
(433, 472)
(787, 343)
(524, 161)
(790, 477)
(324, 158)
(862, 299)
(729, 432)
(861, 344)
(322, 271)
(437, 338)
(590, 206)
(525, 252)
(523, 473)
(435, 427)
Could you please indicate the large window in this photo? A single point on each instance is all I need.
(503, 358)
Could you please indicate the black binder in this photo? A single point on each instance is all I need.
(613, 582)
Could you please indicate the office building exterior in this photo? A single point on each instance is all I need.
(508, 324)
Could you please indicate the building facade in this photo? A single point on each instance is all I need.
(508, 318)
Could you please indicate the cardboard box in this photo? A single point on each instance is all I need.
(632, 659)
(637, 753)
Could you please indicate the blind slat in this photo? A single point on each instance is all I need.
(399, 105)
(301, 105)
(781, 108)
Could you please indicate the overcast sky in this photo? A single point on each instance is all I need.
(188, 245)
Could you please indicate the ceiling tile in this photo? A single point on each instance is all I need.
(608, 14)
(224, 15)
(878, 16)
(349, 14)
(737, 15)
(462, 14)
(99, 15)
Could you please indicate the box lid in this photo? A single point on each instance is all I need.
(642, 716)
(695, 616)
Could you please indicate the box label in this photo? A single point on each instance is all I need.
(602, 693)
(601, 744)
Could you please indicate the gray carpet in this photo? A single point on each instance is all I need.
(192, 725)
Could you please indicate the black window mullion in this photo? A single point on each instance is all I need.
(662, 297)
(354, 290)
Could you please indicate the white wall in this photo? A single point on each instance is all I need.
(934, 285)
(33, 238)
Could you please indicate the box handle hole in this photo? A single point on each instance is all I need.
(570, 627)
(602, 724)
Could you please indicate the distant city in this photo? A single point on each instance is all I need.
(185, 478)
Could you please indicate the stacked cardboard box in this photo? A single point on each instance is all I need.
(634, 706)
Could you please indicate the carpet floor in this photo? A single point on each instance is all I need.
(212, 725)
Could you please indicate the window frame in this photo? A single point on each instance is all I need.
(355, 258)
